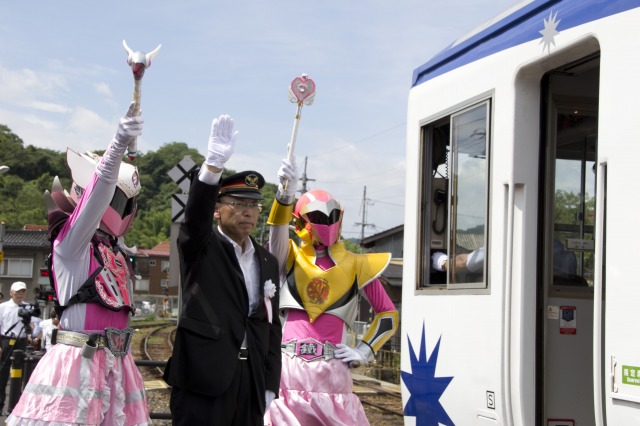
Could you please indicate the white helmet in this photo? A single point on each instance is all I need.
(117, 219)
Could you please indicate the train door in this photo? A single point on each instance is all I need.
(565, 300)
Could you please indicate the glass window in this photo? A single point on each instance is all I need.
(455, 199)
(142, 285)
(574, 196)
(17, 268)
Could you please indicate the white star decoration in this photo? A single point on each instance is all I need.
(549, 32)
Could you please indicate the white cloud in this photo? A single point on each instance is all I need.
(58, 89)
(103, 89)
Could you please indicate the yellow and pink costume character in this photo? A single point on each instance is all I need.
(320, 283)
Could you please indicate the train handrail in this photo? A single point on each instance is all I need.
(597, 294)
(506, 303)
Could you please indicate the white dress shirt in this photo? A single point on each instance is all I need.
(9, 318)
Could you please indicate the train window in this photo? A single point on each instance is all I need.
(574, 194)
(454, 200)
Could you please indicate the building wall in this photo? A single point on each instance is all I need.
(155, 269)
(38, 257)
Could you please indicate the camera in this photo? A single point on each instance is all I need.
(27, 311)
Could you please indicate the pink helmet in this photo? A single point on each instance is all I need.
(320, 215)
(122, 209)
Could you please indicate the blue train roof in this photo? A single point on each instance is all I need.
(518, 26)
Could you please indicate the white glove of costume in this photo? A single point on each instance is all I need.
(348, 355)
(288, 172)
(437, 260)
(221, 142)
(269, 396)
(130, 126)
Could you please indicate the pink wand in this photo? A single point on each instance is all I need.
(301, 91)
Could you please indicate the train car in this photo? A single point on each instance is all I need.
(521, 293)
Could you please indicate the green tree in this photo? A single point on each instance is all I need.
(32, 170)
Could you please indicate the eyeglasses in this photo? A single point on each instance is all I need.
(242, 206)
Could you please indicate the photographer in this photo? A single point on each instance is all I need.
(12, 329)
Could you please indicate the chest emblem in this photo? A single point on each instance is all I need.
(318, 290)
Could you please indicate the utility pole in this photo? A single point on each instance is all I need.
(3, 169)
(304, 177)
(262, 231)
(364, 223)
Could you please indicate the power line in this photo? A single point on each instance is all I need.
(361, 140)
(364, 223)
(385, 202)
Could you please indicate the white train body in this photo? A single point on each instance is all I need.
(523, 142)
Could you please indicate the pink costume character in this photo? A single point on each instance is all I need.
(89, 376)
(320, 282)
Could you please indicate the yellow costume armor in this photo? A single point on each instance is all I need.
(321, 291)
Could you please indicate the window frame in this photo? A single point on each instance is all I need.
(428, 173)
(6, 268)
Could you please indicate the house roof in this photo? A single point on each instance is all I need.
(22, 238)
(393, 274)
(36, 227)
(161, 249)
(373, 238)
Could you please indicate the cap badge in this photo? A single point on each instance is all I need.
(251, 180)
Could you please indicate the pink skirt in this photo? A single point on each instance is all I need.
(67, 389)
(315, 393)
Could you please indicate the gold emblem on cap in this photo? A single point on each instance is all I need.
(251, 180)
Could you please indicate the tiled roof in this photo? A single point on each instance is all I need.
(35, 227)
(163, 246)
(373, 238)
(161, 249)
(470, 241)
(20, 238)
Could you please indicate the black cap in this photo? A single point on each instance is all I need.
(243, 185)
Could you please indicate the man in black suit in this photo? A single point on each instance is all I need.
(225, 367)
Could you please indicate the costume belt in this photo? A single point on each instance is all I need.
(117, 341)
(308, 349)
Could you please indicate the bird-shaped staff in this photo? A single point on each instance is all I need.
(301, 91)
(139, 62)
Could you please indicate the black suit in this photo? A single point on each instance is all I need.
(213, 320)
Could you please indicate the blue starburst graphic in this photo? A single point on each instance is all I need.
(425, 388)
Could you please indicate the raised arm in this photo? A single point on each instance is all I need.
(281, 213)
(198, 216)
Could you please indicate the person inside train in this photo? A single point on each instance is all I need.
(565, 264)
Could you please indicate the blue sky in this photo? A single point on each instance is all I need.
(64, 81)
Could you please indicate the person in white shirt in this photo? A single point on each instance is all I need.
(46, 330)
(13, 334)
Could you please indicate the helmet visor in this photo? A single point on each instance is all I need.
(123, 205)
(320, 218)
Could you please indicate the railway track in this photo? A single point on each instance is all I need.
(382, 405)
(152, 349)
(157, 344)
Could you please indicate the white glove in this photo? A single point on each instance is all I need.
(130, 126)
(288, 173)
(437, 260)
(348, 355)
(221, 142)
(269, 396)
